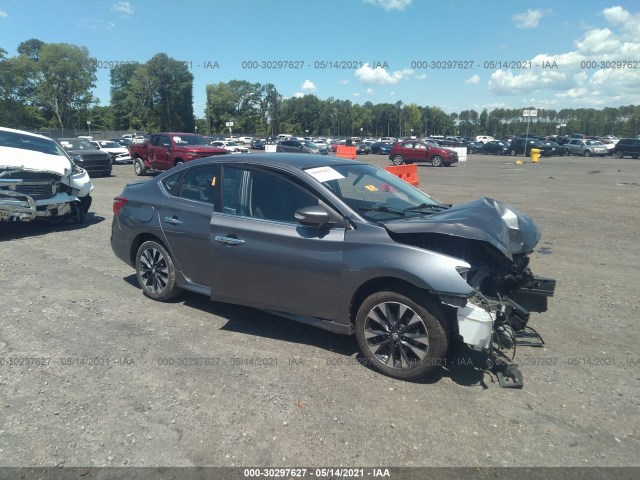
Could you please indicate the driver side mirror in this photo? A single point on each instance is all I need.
(315, 216)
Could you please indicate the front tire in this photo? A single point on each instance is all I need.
(436, 161)
(401, 336)
(397, 160)
(587, 153)
(156, 271)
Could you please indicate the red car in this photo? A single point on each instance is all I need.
(410, 151)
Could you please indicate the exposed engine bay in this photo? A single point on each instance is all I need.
(494, 319)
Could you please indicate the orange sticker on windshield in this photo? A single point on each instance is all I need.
(371, 188)
(213, 182)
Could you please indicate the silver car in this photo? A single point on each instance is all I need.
(586, 148)
(337, 244)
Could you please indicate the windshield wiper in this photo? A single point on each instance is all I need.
(426, 206)
(383, 208)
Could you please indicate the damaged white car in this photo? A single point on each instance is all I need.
(38, 180)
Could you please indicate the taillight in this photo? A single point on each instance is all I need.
(118, 203)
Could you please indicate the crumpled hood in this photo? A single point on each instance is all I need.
(488, 220)
(30, 160)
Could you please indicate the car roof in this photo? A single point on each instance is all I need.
(23, 132)
(287, 161)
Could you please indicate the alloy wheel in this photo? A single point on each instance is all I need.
(396, 335)
(154, 271)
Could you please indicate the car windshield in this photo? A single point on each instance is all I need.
(77, 144)
(594, 142)
(110, 145)
(232, 144)
(189, 140)
(309, 144)
(373, 192)
(27, 142)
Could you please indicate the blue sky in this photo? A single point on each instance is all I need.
(394, 38)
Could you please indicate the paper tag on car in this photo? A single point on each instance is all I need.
(324, 174)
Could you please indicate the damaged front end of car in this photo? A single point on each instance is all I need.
(495, 240)
(36, 185)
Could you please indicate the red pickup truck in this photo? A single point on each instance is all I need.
(165, 150)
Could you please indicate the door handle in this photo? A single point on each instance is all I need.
(229, 240)
(172, 220)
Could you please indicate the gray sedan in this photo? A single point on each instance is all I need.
(337, 244)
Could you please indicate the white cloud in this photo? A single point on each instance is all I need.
(379, 76)
(475, 80)
(369, 91)
(593, 74)
(111, 26)
(598, 41)
(124, 8)
(529, 19)
(308, 86)
(422, 76)
(356, 94)
(392, 94)
(298, 95)
(390, 4)
(3, 14)
(506, 82)
(343, 82)
(628, 22)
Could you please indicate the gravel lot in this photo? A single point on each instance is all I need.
(280, 393)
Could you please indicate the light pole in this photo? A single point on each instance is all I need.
(89, 126)
(196, 129)
(361, 133)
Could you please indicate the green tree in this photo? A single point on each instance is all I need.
(174, 91)
(17, 92)
(65, 76)
(121, 75)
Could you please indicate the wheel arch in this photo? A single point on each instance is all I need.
(396, 285)
(139, 240)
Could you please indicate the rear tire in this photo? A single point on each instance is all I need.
(436, 161)
(404, 337)
(156, 272)
(139, 168)
(397, 160)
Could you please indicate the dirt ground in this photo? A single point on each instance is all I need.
(104, 385)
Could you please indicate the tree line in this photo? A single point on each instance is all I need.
(49, 85)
